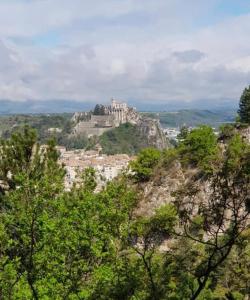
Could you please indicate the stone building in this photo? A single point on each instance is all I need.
(106, 167)
(115, 114)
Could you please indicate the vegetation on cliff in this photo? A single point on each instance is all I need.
(124, 139)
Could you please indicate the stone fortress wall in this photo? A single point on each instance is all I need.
(114, 115)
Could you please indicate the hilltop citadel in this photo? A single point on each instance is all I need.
(104, 118)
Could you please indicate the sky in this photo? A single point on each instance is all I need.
(143, 51)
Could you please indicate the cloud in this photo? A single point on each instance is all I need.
(145, 50)
(189, 56)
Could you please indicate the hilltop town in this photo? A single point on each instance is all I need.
(94, 124)
(104, 118)
(106, 167)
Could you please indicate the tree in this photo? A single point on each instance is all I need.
(16, 155)
(218, 222)
(34, 180)
(148, 233)
(146, 161)
(183, 133)
(244, 106)
(99, 110)
(199, 148)
(85, 244)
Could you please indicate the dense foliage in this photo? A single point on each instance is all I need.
(41, 122)
(124, 139)
(145, 163)
(244, 106)
(199, 147)
(92, 245)
(99, 110)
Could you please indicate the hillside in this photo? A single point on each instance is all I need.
(127, 138)
(124, 139)
(130, 139)
(194, 117)
(41, 122)
(42, 107)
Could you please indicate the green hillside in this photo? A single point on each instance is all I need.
(123, 139)
(193, 117)
(41, 123)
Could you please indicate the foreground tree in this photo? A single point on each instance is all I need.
(87, 245)
(33, 179)
(218, 222)
(244, 106)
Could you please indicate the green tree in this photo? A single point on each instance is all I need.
(183, 133)
(149, 233)
(217, 223)
(34, 181)
(16, 155)
(89, 180)
(199, 148)
(144, 164)
(99, 110)
(84, 244)
(244, 106)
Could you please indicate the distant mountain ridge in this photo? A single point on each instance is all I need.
(8, 107)
(42, 107)
(192, 117)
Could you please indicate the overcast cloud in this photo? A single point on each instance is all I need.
(136, 50)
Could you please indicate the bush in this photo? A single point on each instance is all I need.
(146, 161)
(199, 148)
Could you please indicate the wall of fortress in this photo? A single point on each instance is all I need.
(115, 114)
(89, 129)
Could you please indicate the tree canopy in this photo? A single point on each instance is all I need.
(244, 106)
(84, 244)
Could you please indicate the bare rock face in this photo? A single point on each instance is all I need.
(246, 134)
(81, 116)
(151, 129)
(158, 191)
(161, 188)
(133, 116)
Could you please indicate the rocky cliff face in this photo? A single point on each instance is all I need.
(152, 131)
(81, 116)
(133, 116)
(149, 128)
(161, 188)
(166, 182)
(246, 134)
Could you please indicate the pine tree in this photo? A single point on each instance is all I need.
(244, 106)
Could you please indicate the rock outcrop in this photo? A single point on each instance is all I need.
(246, 134)
(104, 118)
(165, 183)
(89, 124)
(152, 131)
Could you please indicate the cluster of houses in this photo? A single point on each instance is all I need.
(106, 167)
